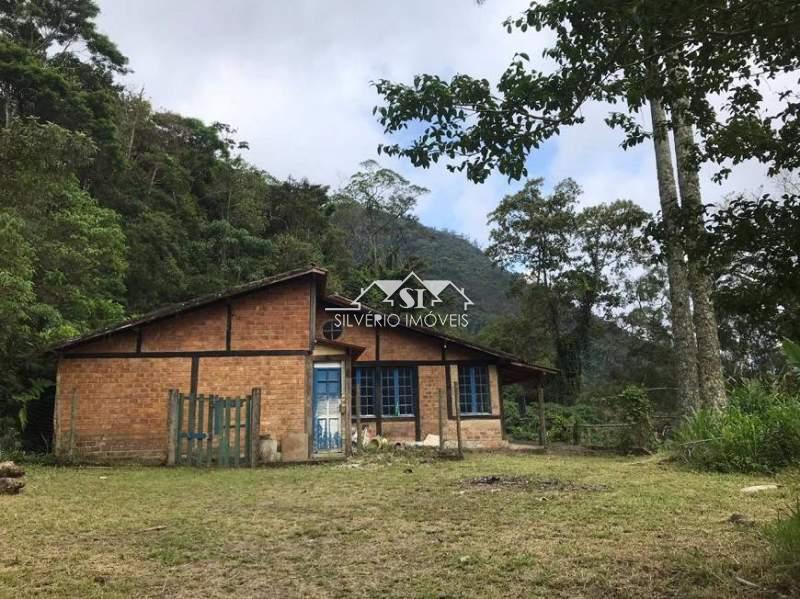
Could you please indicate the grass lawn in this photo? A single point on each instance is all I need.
(395, 526)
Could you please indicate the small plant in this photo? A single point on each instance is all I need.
(784, 537)
(791, 353)
(560, 426)
(561, 421)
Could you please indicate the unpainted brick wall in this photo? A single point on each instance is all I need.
(275, 318)
(458, 352)
(121, 403)
(431, 381)
(402, 344)
(485, 434)
(362, 336)
(120, 406)
(479, 432)
(399, 430)
(282, 380)
(197, 330)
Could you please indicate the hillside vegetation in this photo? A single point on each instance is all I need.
(448, 255)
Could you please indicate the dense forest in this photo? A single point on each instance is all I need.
(109, 208)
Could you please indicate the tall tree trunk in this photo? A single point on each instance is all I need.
(709, 364)
(683, 334)
(8, 105)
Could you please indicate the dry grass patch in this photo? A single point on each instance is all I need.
(393, 526)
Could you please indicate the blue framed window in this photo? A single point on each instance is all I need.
(364, 379)
(473, 390)
(398, 391)
(390, 389)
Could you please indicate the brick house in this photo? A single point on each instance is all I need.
(276, 334)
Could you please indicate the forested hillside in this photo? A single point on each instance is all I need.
(448, 255)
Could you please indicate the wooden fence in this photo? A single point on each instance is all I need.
(210, 430)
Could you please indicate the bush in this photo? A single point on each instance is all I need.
(784, 537)
(518, 427)
(759, 431)
(560, 421)
(10, 444)
(635, 412)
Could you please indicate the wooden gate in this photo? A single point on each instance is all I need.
(209, 430)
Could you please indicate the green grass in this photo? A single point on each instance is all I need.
(607, 527)
(784, 536)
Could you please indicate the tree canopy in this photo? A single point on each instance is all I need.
(619, 53)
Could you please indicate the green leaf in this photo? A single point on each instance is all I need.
(791, 352)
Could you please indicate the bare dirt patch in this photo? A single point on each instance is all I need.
(499, 481)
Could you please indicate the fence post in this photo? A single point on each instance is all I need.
(542, 419)
(172, 425)
(441, 420)
(190, 441)
(457, 401)
(255, 427)
(210, 425)
(348, 412)
(576, 433)
(73, 414)
(359, 432)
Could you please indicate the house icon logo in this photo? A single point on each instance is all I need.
(410, 293)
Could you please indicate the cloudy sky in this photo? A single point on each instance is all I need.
(294, 78)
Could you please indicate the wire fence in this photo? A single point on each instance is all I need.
(596, 421)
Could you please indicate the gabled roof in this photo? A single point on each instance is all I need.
(133, 323)
(509, 360)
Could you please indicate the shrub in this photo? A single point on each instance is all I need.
(518, 427)
(560, 424)
(635, 412)
(560, 421)
(759, 430)
(10, 444)
(784, 537)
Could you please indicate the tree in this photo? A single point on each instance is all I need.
(381, 197)
(55, 65)
(754, 249)
(609, 245)
(577, 263)
(62, 256)
(198, 217)
(681, 52)
(683, 332)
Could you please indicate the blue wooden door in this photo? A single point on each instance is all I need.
(327, 405)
